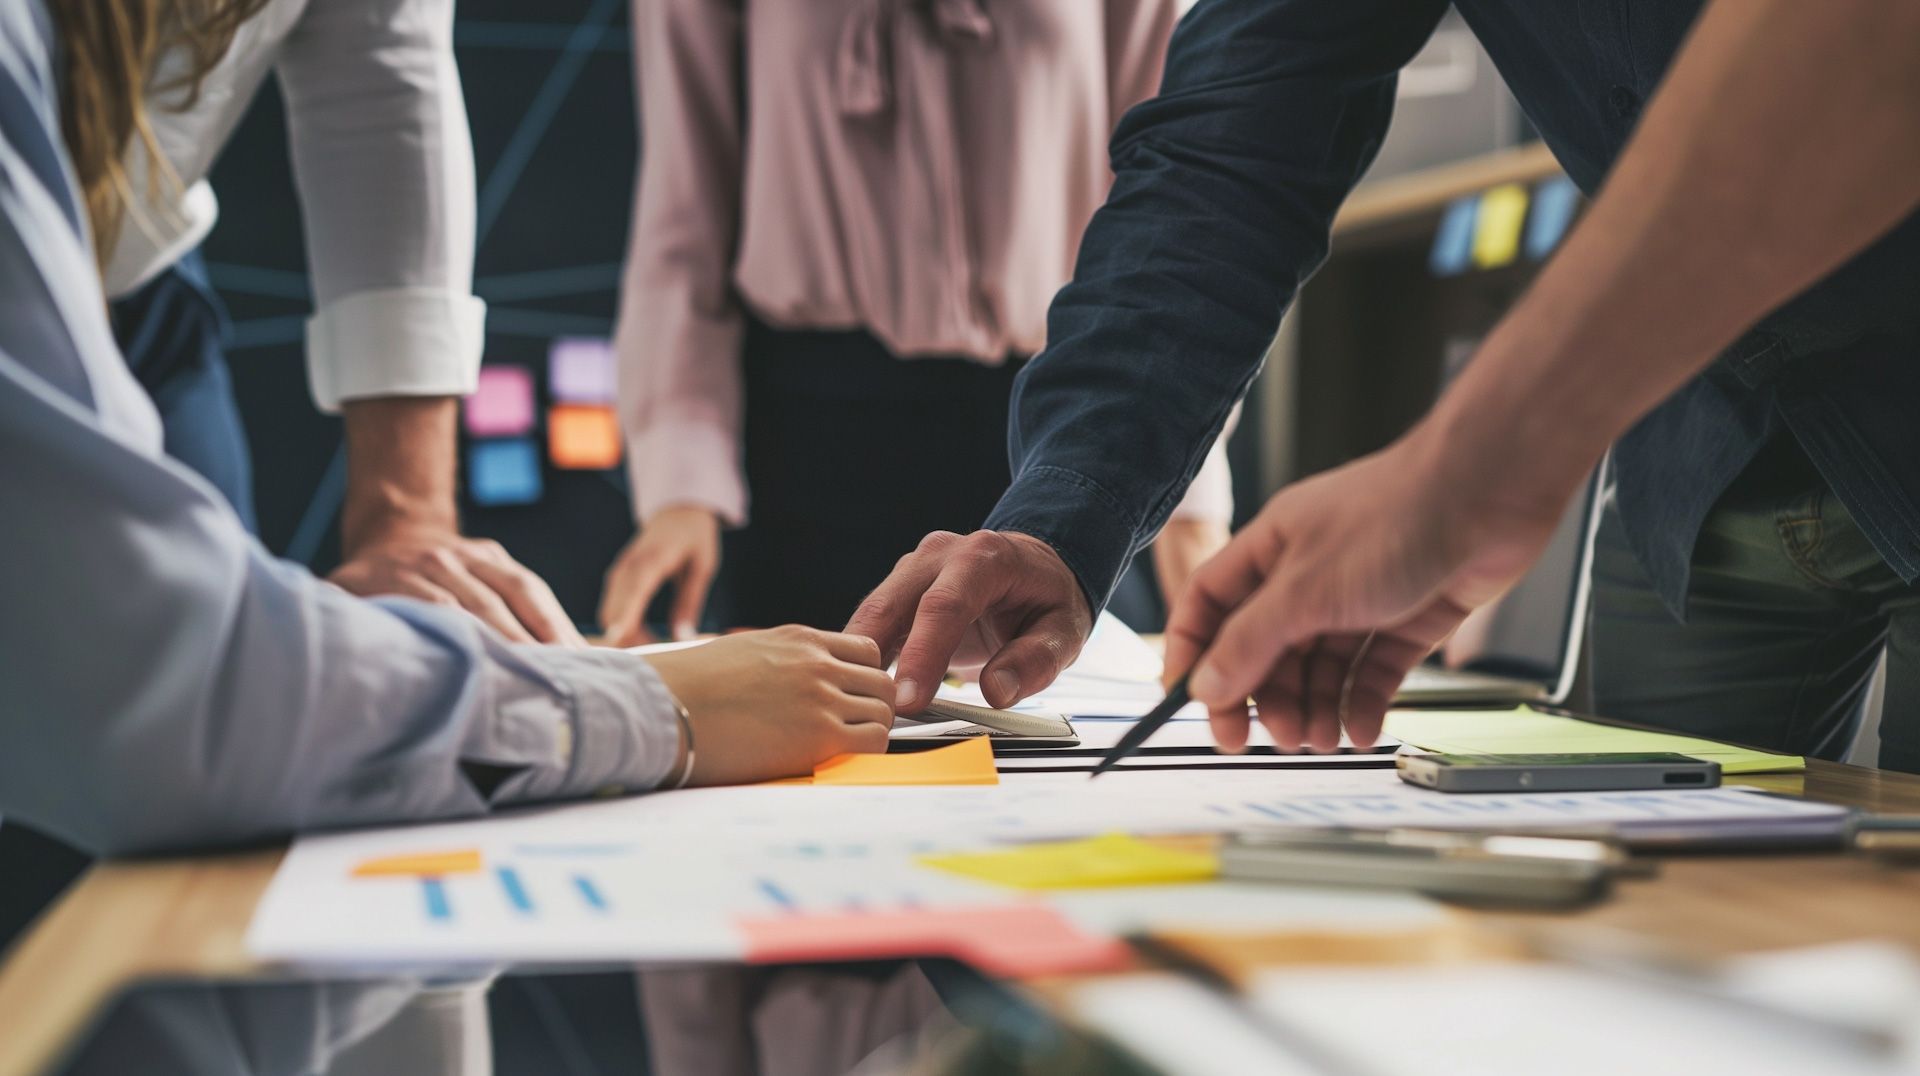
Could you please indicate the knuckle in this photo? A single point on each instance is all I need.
(943, 602)
(936, 542)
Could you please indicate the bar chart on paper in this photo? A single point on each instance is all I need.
(581, 901)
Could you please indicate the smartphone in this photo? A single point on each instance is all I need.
(1494, 869)
(1556, 773)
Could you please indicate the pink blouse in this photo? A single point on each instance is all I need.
(919, 169)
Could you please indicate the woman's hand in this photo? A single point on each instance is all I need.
(681, 544)
(1182, 546)
(769, 704)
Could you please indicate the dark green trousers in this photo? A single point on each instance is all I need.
(1788, 609)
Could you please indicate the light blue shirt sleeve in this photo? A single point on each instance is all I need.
(168, 683)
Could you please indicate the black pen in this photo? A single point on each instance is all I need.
(1148, 724)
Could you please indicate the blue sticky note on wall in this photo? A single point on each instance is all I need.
(1453, 242)
(503, 472)
(1554, 203)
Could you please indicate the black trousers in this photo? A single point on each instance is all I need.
(852, 456)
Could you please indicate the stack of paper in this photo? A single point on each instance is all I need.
(1526, 731)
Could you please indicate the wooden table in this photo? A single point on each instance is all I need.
(128, 921)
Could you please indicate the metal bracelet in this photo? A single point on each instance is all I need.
(683, 772)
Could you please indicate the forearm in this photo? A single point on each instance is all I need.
(1785, 139)
(209, 693)
(401, 467)
(1225, 187)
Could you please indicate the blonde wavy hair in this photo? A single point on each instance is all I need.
(109, 49)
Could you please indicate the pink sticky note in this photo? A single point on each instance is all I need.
(581, 370)
(502, 402)
(1010, 940)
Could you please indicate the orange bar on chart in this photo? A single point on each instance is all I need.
(421, 864)
(583, 438)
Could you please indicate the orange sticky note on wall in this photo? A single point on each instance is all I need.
(967, 763)
(583, 438)
(420, 864)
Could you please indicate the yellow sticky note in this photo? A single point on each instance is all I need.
(421, 864)
(1113, 859)
(966, 763)
(1526, 731)
(1496, 230)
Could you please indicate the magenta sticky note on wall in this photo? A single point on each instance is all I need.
(502, 404)
(581, 370)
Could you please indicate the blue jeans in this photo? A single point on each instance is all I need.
(172, 332)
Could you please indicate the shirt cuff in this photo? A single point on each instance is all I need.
(618, 730)
(1080, 519)
(395, 342)
(681, 462)
(1210, 498)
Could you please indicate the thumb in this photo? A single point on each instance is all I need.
(1032, 660)
(1215, 590)
(1278, 617)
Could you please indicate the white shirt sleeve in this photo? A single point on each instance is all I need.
(384, 163)
(166, 681)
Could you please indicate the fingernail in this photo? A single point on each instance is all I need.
(682, 632)
(905, 694)
(1207, 684)
(1003, 685)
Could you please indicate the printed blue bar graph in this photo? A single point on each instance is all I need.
(590, 893)
(435, 892)
(776, 894)
(515, 891)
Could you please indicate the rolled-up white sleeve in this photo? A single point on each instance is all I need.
(384, 162)
(164, 681)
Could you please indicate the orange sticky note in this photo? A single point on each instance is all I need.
(967, 763)
(421, 864)
(1012, 940)
(583, 438)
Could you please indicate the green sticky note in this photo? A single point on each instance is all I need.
(1526, 731)
(1110, 860)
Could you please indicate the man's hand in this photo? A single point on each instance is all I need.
(767, 704)
(1318, 608)
(475, 574)
(682, 544)
(1179, 550)
(997, 601)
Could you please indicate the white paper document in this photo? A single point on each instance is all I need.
(669, 877)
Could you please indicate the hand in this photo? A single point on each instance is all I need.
(767, 704)
(1320, 606)
(681, 544)
(998, 601)
(436, 564)
(1182, 546)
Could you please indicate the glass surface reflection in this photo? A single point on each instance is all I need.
(909, 1017)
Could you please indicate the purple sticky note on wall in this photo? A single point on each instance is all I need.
(581, 370)
(502, 402)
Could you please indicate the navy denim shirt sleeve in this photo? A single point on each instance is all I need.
(1225, 187)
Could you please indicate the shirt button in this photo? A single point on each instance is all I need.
(1624, 102)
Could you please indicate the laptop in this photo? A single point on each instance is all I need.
(1529, 647)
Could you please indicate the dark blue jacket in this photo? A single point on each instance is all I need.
(1226, 186)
